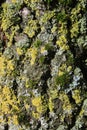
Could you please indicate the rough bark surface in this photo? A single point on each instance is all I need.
(43, 65)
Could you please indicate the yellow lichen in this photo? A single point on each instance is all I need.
(19, 51)
(43, 50)
(14, 1)
(53, 95)
(76, 96)
(64, 68)
(75, 11)
(63, 29)
(8, 103)
(27, 83)
(38, 103)
(2, 65)
(62, 40)
(69, 68)
(6, 66)
(67, 107)
(74, 29)
(81, 112)
(10, 36)
(51, 105)
(10, 65)
(33, 53)
(62, 117)
(35, 115)
(26, 106)
(31, 28)
(53, 30)
(62, 43)
(38, 13)
(47, 16)
(5, 107)
(60, 73)
(15, 119)
(6, 22)
(32, 1)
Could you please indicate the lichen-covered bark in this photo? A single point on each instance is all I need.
(43, 65)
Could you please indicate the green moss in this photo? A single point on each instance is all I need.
(62, 16)
(62, 80)
(48, 2)
(65, 3)
(30, 83)
(48, 47)
(41, 59)
(37, 43)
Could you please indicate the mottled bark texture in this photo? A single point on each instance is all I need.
(43, 65)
